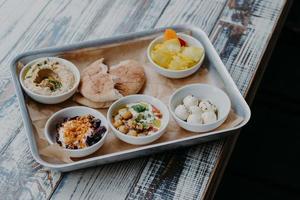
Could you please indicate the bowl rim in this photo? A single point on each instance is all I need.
(162, 128)
(47, 125)
(205, 85)
(75, 72)
(173, 70)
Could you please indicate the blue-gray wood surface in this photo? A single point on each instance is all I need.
(239, 29)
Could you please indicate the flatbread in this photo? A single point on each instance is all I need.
(131, 76)
(86, 102)
(100, 87)
(97, 85)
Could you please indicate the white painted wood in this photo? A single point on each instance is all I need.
(202, 13)
(20, 176)
(111, 181)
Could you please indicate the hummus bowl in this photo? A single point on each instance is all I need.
(49, 80)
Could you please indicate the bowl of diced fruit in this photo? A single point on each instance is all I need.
(175, 55)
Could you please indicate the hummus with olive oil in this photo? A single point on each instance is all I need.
(48, 78)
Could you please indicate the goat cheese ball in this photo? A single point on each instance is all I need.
(194, 119)
(196, 111)
(182, 112)
(189, 101)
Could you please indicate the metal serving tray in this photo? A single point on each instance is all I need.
(215, 65)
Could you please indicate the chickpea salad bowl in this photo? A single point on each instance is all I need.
(138, 119)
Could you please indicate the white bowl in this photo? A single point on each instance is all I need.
(191, 41)
(58, 117)
(142, 139)
(202, 91)
(55, 98)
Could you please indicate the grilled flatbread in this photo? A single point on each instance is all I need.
(100, 87)
(97, 85)
(86, 102)
(131, 76)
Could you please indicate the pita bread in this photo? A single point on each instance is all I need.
(86, 102)
(100, 86)
(131, 76)
(96, 67)
(97, 85)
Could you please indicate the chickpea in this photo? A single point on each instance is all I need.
(126, 115)
(117, 123)
(131, 123)
(139, 126)
(123, 129)
(132, 132)
(117, 117)
(122, 110)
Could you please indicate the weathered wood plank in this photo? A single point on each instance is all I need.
(20, 176)
(15, 18)
(203, 14)
(97, 182)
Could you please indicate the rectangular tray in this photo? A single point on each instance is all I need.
(216, 70)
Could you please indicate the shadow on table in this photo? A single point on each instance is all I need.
(265, 163)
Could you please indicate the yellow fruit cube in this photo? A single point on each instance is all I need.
(193, 53)
(171, 46)
(161, 58)
(177, 63)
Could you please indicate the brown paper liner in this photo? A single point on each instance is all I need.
(156, 85)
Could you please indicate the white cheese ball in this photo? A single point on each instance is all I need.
(194, 119)
(190, 100)
(195, 110)
(209, 117)
(206, 105)
(181, 112)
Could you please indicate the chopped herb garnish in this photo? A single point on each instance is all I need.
(55, 84)
(139, 118)
(139, 108)
(145, 125)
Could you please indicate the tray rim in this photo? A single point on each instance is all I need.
(105, 41)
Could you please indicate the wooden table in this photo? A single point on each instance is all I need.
(240, 30)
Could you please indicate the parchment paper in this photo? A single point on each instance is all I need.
(156, 85)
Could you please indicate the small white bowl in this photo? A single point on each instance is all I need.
(55, 98)
(203, 91)
(58, 117)
(142, 139)
(191, 41)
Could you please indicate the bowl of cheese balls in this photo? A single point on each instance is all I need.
(199, 107)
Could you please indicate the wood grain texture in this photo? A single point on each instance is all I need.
(240, 37)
